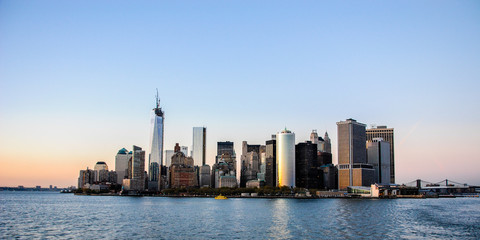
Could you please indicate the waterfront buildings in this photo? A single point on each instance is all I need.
(353, 169)
(271, 162)
(228, 181)
(285, 146)
(156, 141)
(307, 168)
(86, 177)
(199, 145)
(225, 164)
(121, 164)
(205, 179)
(250, 163)
(388, 136)
(99, 166)
(182, 171)
(378, 155)
(136, 181)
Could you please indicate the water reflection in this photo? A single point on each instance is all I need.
(280, 219)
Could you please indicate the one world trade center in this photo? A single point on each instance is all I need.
(156, 140)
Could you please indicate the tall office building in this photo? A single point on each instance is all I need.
(387, 135)
(271, 163)
(249, 163)
(352, 157)
(286, 158)
(205, 179)
(136, 167)
(121, 164)
(199, 145)
(378, 155)
(225, 163)
(156, 139)
(307, 168)
(100, 166)
(327, 143)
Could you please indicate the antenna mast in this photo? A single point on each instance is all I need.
(157, 100)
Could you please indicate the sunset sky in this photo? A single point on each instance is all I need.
(78, 79)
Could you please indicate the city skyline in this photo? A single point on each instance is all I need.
(77, 81)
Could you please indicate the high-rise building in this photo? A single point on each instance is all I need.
(199, 145)
(378, 155)
(286, 158)
(205, 179)
(225, 163)
(307, 169)
(168, 157)
(271, 163)
(99, 166)
(249, 163)
(136, 179)
(225, 147)
(182, 171)
(327, 143)
(352, 157)
(121, 164)
(86, 177)
(388, 136)
(156, 138)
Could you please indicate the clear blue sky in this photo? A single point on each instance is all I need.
(78, 79)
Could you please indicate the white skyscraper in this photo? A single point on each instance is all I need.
(286, 158)
(156, 136)
(121, 164)
(199, 145)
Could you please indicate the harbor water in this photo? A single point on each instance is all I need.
(44, 215)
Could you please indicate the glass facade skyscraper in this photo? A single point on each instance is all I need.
(199, 145)
(156, 137)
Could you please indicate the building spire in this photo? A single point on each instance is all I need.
(157, 99)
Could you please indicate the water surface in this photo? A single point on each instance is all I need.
(62, 216)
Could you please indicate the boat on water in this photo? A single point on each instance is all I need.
(220, 197)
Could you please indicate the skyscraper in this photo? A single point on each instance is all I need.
(136, 170)
(121, 164)
(352, 156)
(387, 135)
(286, 158)
(307, 167)
(249, 165)
(156, 138)
(199, 145)
(327, 143)
(378, 155)
(271, 163)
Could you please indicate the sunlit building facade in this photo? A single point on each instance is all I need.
(285, 144)
(353, 169)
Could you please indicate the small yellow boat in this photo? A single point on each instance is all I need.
(220, 197)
